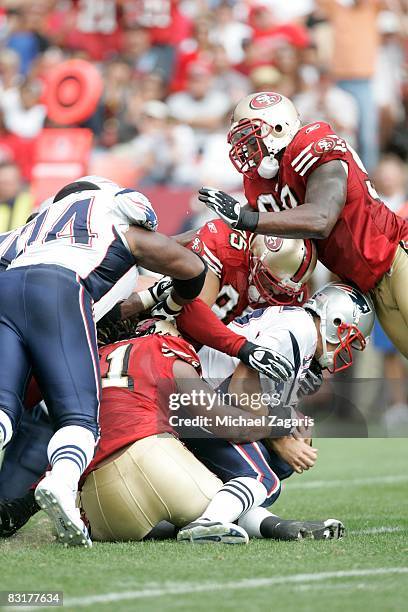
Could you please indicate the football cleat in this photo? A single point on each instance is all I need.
(330, 529)
(276, 528)
(14, 513)
(58, 502)
(206, 532)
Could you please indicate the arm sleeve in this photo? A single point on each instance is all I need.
(201, 325)
(206, 243)
(316, 145)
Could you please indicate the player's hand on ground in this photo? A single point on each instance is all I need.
(299, 455)
(166, 310)
(228, 209)
(266, 361)
(312, 381)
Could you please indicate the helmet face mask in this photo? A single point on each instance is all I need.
(279, 270)
(350, 337)
(272, 290)
(247, 147)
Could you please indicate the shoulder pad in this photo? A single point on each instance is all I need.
(133, 208)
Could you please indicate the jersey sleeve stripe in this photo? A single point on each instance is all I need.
(211, 266)
(303, 161)
(306, 168)
(212, 259)
(301, 154)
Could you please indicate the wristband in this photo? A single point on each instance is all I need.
(248, 220)
(146, 299)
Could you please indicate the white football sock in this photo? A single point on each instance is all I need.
(235, 498)
(70, 451)
(251, 521)
(6, 429)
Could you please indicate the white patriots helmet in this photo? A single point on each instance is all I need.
(346, 319)
(128, 206)
(262, 124)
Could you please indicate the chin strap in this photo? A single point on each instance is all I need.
(269, 167)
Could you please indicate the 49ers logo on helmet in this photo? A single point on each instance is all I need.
(265, 99)
(273, 243)
(324, 145)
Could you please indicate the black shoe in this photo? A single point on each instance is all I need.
(14, 513)
(279, 529)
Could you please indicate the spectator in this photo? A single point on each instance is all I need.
(163, 151)
(355, 48)
(327, 102)
(200, 106)
(226, 79)
(390, 180)
(230, 32)
(143, 56)
(10, 74)
(389, 73)
(198, 48)
(24, 115)
(15, 202)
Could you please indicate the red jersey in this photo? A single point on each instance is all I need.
(226, 252)
(361, 246)
(137, 379)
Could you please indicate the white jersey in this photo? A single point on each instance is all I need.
(289, 330)
(84, 232)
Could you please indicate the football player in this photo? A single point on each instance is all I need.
(336, 320)
(247, 270)
(307, 182)
(72, 254)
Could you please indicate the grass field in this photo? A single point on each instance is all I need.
(362, 482)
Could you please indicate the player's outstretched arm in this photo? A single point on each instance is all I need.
(325, 197)
(164, 255)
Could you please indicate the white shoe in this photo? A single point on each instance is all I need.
(206, 532)
(1, 440)
(58, 502)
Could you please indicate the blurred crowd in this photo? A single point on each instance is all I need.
(173, 70)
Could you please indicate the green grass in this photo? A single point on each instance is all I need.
(32, 561)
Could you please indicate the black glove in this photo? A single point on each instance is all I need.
(229, 209)
(167, 310)
(157, 292)
(313, 380)
(14, 513)
(266, 361)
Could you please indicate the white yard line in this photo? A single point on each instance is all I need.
(174, 588)
(375, 530)
(352, 482)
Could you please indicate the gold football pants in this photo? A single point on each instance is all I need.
(155, 479)
(391, 301)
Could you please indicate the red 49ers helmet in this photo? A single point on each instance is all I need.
(279, 269)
